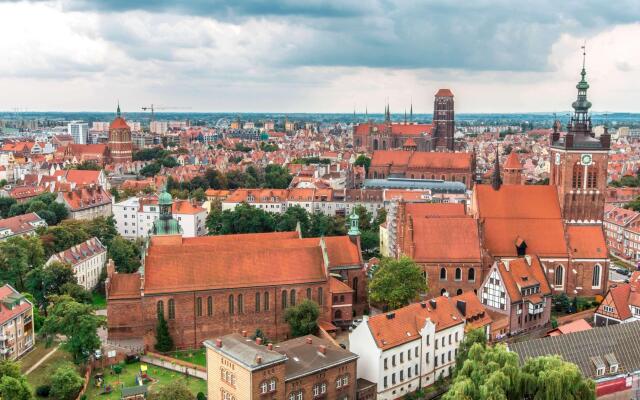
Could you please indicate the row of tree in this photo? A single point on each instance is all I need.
(44, 205)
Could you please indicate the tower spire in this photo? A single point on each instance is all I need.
(118, 110)
(411, 111)
(405, 116)
(496, 179)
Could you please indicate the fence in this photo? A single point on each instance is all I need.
(173, 364)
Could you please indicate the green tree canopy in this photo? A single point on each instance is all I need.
(125, 254)
(363, 161)
(397, 282)
(5, 206)
(18, 256)
(13, 385)
(77, 322)
(303, 318)
(66, 383)
(494, 373)
(470, 338)
(176, 390)
(164, 342)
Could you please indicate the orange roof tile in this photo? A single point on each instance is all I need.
(118, 123)
(587, 241)
(445, 239)
(337, 286)
(124, 286)
(513, 161)
(407, 322)
(544, 237)
(421, 210)
(475, 313)
(520, 274)
(444, 93)
(518, 201)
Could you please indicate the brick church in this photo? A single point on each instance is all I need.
(214, 285)
(560, 223)
(119, 143)
(421, 137)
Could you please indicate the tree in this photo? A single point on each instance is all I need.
(289, 220)
(77, 322)
(303, 318)
(125, 255)
(370, 243)
(397, 282)
(18, 256)
(77, 292)
(363, 161)
(15, 388)
(164, 342)
(5, 205)
(59, 210)
(494, 373)
(102, 228)
(66, 383)
(243, 219)
(561, 303)
(633, 205)
(277, 177)
(13, 385)
(58, 238)
(176, 390)
(149, 170)
(49, 280)
(470, 338)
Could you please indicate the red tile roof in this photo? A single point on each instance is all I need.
(118, 123)
(421, 159)
(475, 313)
(337, 286)
(518, 201)
(444, 93)
(396, 129)
(85, 197)
(407, 322)
(79, 253)
(519, 274)
(421, 210)
(544, 237)
(7, 313)
(587, 241)
(450, 239)
(124, 286)
(21, 223)
(513, 161)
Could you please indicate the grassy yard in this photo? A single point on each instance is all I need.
(41, 375)
(35, 355)
(198, 357)
(98, 301)
(128, 375)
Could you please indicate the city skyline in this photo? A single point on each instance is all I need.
(73, 55)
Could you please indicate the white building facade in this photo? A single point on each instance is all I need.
(410, 353)
(79, 131)
(134, 217)
(87, 260)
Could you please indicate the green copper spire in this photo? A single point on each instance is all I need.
(166, 224)
(354, 222)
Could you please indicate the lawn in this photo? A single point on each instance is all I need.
(128, 375)
(35, 355)
(41, 375)
(98, 301)
(198, 357)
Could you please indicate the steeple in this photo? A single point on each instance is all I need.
(118, 110)
(405, 116)
(354, 222)
(411, 111)
(496, 179)
(580, 121)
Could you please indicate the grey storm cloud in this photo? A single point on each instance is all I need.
(479, 35)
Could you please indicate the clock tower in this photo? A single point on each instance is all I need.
(579, 163)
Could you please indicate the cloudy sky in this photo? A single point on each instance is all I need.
(317, 56)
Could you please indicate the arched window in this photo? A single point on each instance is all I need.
(443, 291)
(355, 289)
(240, 304)
(292, 299)
(443, 177)
(443, 274)
(320, 296)
(257, 302)
(337, 315)
(595, 281)
(231, 305)
(199, 306)
(266, 301)
(209, 306)
(464, 180)
(309, 293)
(375, 174)
(284, 299)
(160, 307)
(578, 171)
(375, 144)
(559, 275)
(458, 274)
(471, 275)
(172, 309)
(411, 176)
(592, 176)
(458, 292)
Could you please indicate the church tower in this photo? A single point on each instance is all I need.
(166, 224)
(443, 120)
(120, 144)
(579, 163)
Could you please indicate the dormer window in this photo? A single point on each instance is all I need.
(612, 361)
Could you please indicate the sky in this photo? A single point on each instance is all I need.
(317, 56)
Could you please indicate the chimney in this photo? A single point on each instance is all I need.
(244, 333)
(270, 346)
(391, 315)
(259, 341)
(219, 343)
(433, 303)
(258, 360)
(322, 349)
(309, 340)
(461, 305)
(423, 304)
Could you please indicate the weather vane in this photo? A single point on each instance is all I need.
(584, 53)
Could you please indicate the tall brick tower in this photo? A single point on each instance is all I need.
(120, 145)
(443, 120)
(579, 163)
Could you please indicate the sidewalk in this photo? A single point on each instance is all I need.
(43, 359)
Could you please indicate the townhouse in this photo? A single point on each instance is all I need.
(17, 333)
(25, 224)
(409, 348)
(622, 231)
(87, 260)
(621, 304)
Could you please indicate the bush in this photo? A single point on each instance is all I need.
(131, 359)
(117, 369)
(43, 390)
(201, 396)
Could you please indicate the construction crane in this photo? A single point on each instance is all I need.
(153, 108)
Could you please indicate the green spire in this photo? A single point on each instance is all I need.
(354, 222)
